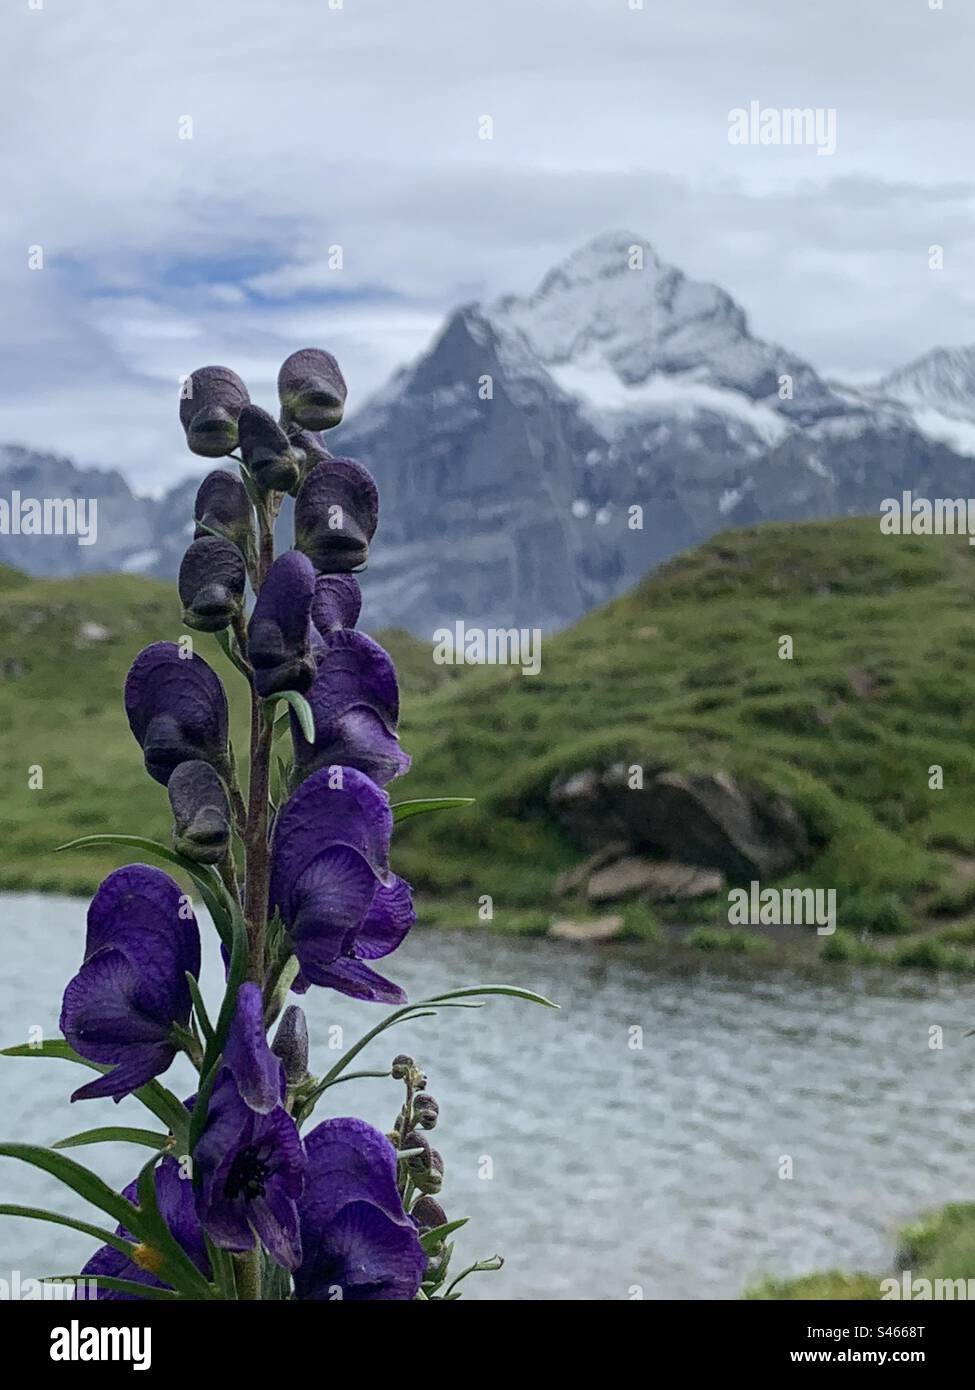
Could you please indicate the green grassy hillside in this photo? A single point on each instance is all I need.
(684, 670)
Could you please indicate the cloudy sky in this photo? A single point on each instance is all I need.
(318, 124)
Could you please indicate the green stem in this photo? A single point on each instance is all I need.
(247, 1273)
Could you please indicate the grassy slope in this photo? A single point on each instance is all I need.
(685, 670)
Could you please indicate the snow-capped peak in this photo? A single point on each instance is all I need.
(942, 379)
(614, 305)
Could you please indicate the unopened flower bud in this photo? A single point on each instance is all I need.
(336, 514)
(290, 1044)
(428, 1214)
(279, 634)
(209, 407)
(222, 506)
(211, 583)
(430, 1179)
(425, 1111)
(201, 815)
(266, 452)
(312, 389)
(401, 1067)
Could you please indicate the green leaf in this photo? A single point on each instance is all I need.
(229, 647)
(302, 709)
(115, 1134)
(198, 1118)
(214, 894)
(403, 810)
(511, 991)
(203, 1018)
(431, 1239)
(178, 1269)
(96, 1232)
(154, 1096)
(81, 1180)
(105, 1281)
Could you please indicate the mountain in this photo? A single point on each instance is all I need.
(546, 451)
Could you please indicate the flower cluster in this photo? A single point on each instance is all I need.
(236, 1202)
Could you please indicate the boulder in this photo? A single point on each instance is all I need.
(708, 819)
(596, 929)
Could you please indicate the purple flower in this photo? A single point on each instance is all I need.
(312, 389)
(337, 602)
(211, 584)
(249, 1158)
(222, 505)
(336, 514)
(331, 883)
(120, 1008)
(354, 700)
(210, 403)
(309, 447)
(279, 636)
(174, 1193)
(357, 1241)
(201, 815)
(176, 708)
(266, 452)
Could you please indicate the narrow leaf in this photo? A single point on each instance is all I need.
(81, 1180)
(115, 1134)
(302, 709)
(403, 810)
(203, 1018)
(96, 1232)
(114, 1285)
(431, 1239)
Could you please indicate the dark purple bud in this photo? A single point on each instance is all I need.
(211, 584)
(428, 1214)
(336, 515)
(176, 709)
(264, 447)
(354, 702)
(337, 602)
(201, 815)
(119, 1009)
(402, 1066)
(222, 505)
(309, 448)
(311, 389)
(290, 1044)
(279, 635)
(425, 1111)
(210, 403)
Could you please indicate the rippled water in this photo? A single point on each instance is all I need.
(591, 1165)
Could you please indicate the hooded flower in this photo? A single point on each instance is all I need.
(309, 447)
(337, 602)
(249, 1159)
(201, 815)
(354, 700)
(266, 452)
(222, 505)
(356, 1238)
(330, 880)
(312, 389)
(290, 1044)
(174, 1193)
(336, 514)
(279, 636)
(211, 584)
(176, 708)
(119, 1009)
(210, 403)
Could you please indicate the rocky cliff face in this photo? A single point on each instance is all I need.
(546, 451)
